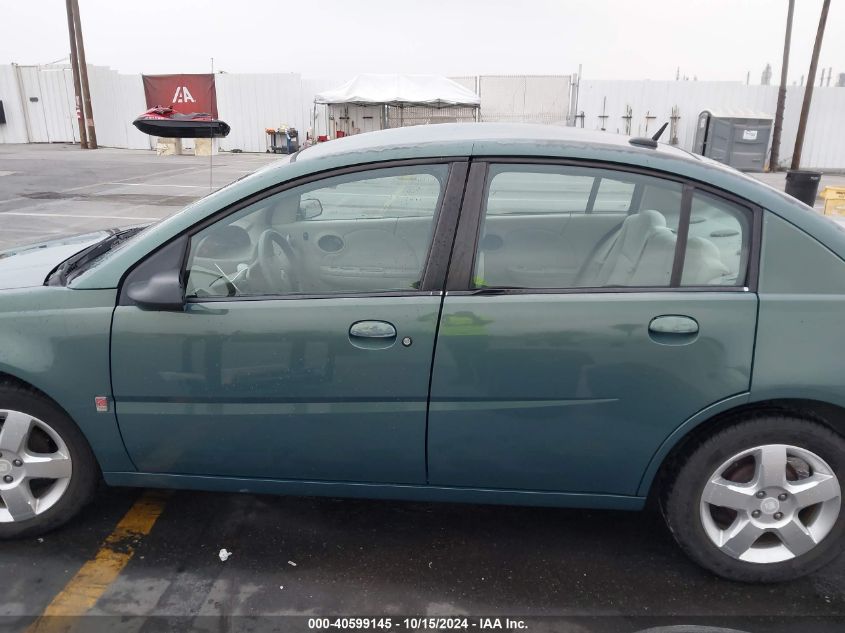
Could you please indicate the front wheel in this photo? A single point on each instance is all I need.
(761, 501)
(47, 469)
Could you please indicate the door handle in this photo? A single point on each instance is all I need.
(372, 329)
(673, 324)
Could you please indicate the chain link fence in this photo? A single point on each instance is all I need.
(422, 115)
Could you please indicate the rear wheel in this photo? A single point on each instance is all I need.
(47, 470)
(761, 501)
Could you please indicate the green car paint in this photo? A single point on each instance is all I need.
(57, 340)
(543, 399)
(802, 302)
(583, 395)
(290, 397)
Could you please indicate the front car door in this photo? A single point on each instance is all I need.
(590, 310)
(305, 347)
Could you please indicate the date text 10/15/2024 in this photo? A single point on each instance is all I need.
(416, 623)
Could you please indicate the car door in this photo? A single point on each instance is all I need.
(305, 345)
(567, 376)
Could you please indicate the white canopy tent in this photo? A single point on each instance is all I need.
(400, 90)
(370, 102)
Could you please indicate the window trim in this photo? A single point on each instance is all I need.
(682, 236)
(444, 225)
(594, 193)
(459, 280)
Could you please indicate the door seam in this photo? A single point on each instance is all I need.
(112, 396)
(439, 317)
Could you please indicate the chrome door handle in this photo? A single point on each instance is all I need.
(673, 324)
(372, 329)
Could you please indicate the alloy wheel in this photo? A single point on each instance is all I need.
(35, 466)
(770, 503)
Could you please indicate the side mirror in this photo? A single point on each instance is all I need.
(309, 208)
(156, 283)
(161, 291)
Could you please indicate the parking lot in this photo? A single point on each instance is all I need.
(52, 190)
(294, 558)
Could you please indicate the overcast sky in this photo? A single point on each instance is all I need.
(613, 39)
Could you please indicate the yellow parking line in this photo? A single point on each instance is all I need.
(91, 581)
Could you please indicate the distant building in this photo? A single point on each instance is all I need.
(766, 78)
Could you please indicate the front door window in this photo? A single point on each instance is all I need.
(364, 232)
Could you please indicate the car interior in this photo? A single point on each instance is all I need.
(540, 230)
(573, 238)
(347, 234)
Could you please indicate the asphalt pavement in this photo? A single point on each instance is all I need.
(292, 560)
(295, 558)
(52, 190)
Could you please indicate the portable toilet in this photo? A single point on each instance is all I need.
(739, 138)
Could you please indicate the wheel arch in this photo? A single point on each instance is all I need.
(8, 378)
(95, 444)
(713, 419)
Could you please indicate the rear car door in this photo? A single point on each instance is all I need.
(305, 348)
(575, 337)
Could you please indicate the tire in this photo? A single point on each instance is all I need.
(784, 552)
(65, 496)
(689, 628)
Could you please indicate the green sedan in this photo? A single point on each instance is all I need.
(477, 313)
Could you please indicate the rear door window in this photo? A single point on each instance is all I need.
(552, 226)
(718, 242)
(613, 196)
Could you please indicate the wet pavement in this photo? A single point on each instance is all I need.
(51, 190)
(308, 557)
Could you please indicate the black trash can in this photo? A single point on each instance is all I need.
(803, 184)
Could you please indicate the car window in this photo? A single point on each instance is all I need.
(655, 195)
(717, 243)
(613, 196)
(539, 230)
(526, 192)
(397, 195)
(363, 232)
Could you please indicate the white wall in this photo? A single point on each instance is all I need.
(37, 103)
(250, 103)
(824, 145)
(521, 98)
(116, 100)
(55, 87)
(14, 130)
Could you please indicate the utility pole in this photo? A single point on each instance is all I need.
(784, 68)
(74, 66)
(808, 91)
(83, 75)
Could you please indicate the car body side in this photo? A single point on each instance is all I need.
(57, 339)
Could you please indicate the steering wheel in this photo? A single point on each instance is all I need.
(271, 268)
